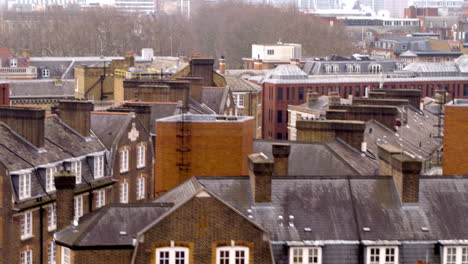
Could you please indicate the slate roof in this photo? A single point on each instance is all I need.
(215, 98)
(313, 67)
(416, 138)
(286, 72)
(61, 143)
(41, 88)
(115, 225)
(108, 126)
(236, 84)
(326, 159)
(6, 54)
(321, 105)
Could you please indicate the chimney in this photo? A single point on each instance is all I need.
(260, 173)
(281, 158)
(258, 64)
(222, 65)
(28, 122)
(295, 62)
(312, 97)
(4, 94)
(143, 113)
(27, 56)
(405, 171)
(65, 194)
(76, 114)
(129, 60)
(442, 97)
(203, 67)
(334, 98)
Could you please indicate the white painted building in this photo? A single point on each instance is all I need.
(277, 52)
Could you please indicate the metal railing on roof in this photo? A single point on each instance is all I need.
(136, 75)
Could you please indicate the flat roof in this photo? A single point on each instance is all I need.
(191, 118)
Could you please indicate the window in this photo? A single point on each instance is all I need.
(52, 217)
(78, 207)
(308, 255)
(26, 257)
(26, 225)
(65, 255)
(279, 94)
(141, 188)
(50, 185)
(375, 68)
(382, 255)
(100, 198)
(124, 192)
(124, 160)
(141, 156)
(301, 93)
(232, 255)
(279, 116)
(456, 255)
(239, 100)
(287, 93)
(13, 62)
(24, 186)
(99, 167)
(172, 255)
(51, 253)
(271, 52)
(76, 168)
(45, 73)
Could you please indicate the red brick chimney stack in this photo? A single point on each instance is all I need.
(28, 122)
(222, 65)
(281, 158)
(65, 186)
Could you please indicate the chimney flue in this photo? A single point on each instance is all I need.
(77, 115)
(260, 172)
(281, 158)
(312, 97)
(65, 186)
(222, 65)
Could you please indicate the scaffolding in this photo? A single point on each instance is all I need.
(183, 135)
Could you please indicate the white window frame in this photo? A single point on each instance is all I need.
(141, 188)
(66, 255)
(24, 186)
(98, 167)
(382, 254)
(304, 254)
(123, 156)
(51, 253)
(461, 254)
(26, 257)
(45, 73)
(78, 207)
(141, 156)
(100, 198)
(76, 168)
(239, 99)
(26, 225)
(52, 217)
(270, 51)
(124, 192)
(172, 254)
(50, 184)
(232, 253)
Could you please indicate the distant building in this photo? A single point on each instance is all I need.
(396, 8)
(13, 67)
(268, 56)
(438, 3)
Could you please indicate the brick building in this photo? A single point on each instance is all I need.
(288, 85)
(188, 145)
(397, 217)
(271, 55)
(13, 67)
(4, 94)
(34, 148)
(455, 141)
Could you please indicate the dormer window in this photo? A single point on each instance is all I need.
(271, 52)
(98, 167)
(13, 62)
(375, 68)
(45, 73)
(76, 168)
(382, 255)
(305, 255)
(328, 68)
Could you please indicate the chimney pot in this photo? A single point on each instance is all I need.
(312, 97)
(222, 65)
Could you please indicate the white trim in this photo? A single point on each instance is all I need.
(123, 191)
(381, 254)
(51, 217)
(124, 160)
(171, 254)
(302, 254)
(459, 252)
(65, 256)
(77, 210)
(231, 256)
(26, 225)
(100, 198)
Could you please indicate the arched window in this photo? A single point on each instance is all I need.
(357, 68)
(335, 68)
(328, 68)
(232, 255)
(375, 68)
(172, 255)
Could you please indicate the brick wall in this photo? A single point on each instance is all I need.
(455, 158)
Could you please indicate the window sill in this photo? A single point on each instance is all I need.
(141, 167)
(26, 237)
(124, 171)
(51, 229)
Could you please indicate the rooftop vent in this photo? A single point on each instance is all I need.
(291, 220)
(307, 229)
(123, 233)
(280, 220)
(366, 229)
(424, 229)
